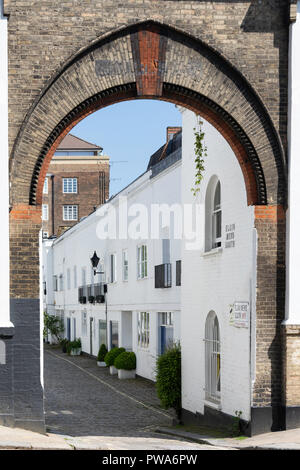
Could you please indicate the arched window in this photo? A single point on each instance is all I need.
(212, 358)
(217, 218)
(213, 215)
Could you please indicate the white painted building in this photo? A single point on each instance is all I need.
(140, 316)
(218, 280)
(218, 253)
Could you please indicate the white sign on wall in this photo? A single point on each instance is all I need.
(239, 314)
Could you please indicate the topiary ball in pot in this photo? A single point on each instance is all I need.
(102, 353)
(126, 361)
(111, 356)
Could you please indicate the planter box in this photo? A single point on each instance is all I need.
(75, 352)
(126, 374)
(113, 370)
(101, 364)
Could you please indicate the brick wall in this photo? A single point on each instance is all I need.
(252, 36)
(89, 193)
(270, 299)
(25, 224)
(291, 364)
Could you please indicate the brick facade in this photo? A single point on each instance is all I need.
(93, 190)
(227, 60)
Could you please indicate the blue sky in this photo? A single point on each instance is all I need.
(129, 131)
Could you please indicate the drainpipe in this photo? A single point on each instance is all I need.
(105, 293)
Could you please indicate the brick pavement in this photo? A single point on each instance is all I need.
(82, 399)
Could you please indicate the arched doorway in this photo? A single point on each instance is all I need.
(149, 60)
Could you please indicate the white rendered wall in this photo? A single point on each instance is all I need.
(215, 281)
(293, 213)
(4, 200)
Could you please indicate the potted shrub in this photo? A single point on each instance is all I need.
(101, 355)
(110, 359)
(168, 379)
(126, 365)
(74, 347)
(64, 343)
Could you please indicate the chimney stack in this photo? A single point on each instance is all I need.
(171, 131)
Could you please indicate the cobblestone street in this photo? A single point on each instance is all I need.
(82, 399)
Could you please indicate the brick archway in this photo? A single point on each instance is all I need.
(145, 61)
(152, 60)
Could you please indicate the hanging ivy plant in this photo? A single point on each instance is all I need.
(201, 153)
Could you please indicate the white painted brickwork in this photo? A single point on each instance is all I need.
(214, 282)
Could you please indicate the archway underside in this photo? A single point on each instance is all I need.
(244, 150)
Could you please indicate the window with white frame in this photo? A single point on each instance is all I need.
(92, 275)
(70, 185)
(125, 265)
(55, 283)
(45, 212)
(75, 276)
(70, 212)
(83, 276)
(68, 278)
(167, 318)
(61, 282)
(113, 266)
(213, 214)
(217, 217)
(84, 323)
(142, 262)
(212, 358)
(45, 188)
(143, 329)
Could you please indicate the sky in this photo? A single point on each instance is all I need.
(129, 132)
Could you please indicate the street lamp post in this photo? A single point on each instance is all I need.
(95, 261)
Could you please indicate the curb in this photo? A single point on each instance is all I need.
(202, 439)
(198, 438)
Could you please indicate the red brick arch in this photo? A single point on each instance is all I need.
(152, 68)
(253, 196)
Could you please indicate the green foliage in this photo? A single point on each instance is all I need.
(102, 353)
(64, 343)
(126, 360)
(236, 425)
(200, 152)
(168, 378)
(76, 344)
(111, 356)
(53, 324)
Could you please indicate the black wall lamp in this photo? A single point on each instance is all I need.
(95, 261)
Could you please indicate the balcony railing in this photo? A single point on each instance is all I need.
(163, 275)
(92, 293)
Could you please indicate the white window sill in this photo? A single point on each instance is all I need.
(212, 404)
(212, 252)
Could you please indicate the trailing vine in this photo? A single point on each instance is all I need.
(200, 152)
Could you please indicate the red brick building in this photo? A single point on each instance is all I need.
(77, 182)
